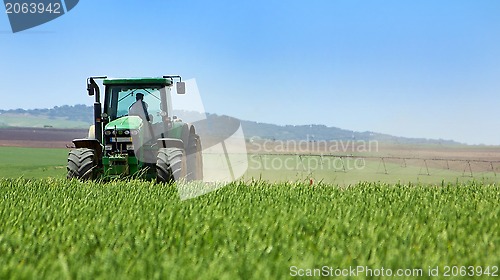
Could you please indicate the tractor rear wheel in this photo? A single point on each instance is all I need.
(170, 165)
(194, 159)
(82, 164)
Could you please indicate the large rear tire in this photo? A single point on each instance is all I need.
(170, 165)
(194, 159)
(82, 164)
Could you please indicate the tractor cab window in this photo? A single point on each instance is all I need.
(125, 100)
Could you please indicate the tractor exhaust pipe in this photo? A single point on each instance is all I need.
(97, 121)
(93, 89)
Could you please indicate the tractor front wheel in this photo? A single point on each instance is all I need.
(170, 165)
(82, 164)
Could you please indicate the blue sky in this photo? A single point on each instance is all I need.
(408, 68)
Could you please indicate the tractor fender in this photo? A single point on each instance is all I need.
(92, 144)
(171, 143)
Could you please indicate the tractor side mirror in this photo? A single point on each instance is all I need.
(181, 88)
(90, 89)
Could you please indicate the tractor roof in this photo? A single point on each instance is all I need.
(138, 81)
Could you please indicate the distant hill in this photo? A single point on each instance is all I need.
(78, 116)
(77, 113)
(81, 116)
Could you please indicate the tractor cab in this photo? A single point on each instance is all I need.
(136, 111)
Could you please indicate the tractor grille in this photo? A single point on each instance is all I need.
(122, 146)
(119, 162)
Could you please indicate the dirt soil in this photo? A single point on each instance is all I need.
(40, 137)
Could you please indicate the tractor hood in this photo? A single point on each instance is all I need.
(127, 122)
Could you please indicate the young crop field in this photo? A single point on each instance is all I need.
(18, 162)
(59, 229)
(25, 162)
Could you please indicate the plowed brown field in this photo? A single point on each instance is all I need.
(39, 137)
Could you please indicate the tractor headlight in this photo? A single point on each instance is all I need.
(107, 132)
(134, 132)
(126, 132)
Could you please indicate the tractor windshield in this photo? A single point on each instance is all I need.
(126, 100)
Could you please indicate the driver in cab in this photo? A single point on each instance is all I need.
(139, 108)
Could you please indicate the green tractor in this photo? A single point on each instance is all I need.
(136, 135)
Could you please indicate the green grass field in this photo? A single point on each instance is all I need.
(18, 162)
(58, 229)
(348, 171)
(53, 228)
(42, 162)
